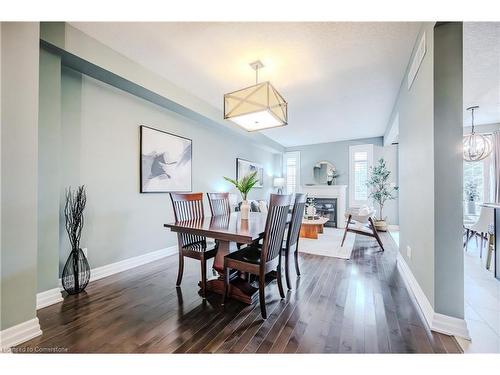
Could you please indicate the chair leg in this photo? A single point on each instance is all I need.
(280, 282)
(225, 292)
(466, 239)
(262, 296)
(471, 233)
(203, 277)
(375, 233)
(181, 268)
(346, 229)
(481, 246)
(287, 272)
(296, 256)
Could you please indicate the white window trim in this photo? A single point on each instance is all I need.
(296, 155)
(352, 149)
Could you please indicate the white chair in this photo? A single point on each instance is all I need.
(362, 217)
(480, 228)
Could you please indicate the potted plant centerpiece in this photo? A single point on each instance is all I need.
(471, 195)
(381, 190)
(244, 185)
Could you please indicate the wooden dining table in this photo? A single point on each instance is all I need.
(228, 230)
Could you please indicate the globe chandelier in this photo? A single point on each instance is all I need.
(476, 146)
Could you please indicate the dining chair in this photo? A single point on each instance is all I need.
(256, 261)
(480, 228)
(189, 206)
(364, 217)
(219, 203)
(292, 238)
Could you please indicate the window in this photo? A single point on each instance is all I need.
(360, 175)
(291, 171)
(481, 173)
(360, 161)
(474, 174)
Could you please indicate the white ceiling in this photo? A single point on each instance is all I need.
(340, 79)
(482, 71)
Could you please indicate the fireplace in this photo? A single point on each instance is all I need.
(327, 207)
(330, 192)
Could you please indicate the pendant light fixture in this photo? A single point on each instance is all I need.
(476, 146)
(256, 107)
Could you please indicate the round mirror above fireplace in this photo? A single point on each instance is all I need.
(324, 173)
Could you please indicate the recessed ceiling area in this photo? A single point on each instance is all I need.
(481, 84)
(340, 79)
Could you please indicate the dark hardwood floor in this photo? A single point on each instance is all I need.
(336, 306)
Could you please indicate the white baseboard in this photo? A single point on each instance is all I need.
(19, 333)
(445, 324)
(393, 227)
(124, 265)
(47, 298)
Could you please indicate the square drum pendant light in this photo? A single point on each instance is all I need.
(256, 107)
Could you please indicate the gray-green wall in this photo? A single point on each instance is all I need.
(416, 168)
(49, 160)
(448, 169)
(430, 171)
(19, 121)
(335, 152)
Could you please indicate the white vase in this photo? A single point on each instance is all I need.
(244, 209)
(311, 210)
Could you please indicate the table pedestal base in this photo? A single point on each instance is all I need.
(238, 289)
(311, 230)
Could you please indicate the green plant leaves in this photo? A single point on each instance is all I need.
(245, 184)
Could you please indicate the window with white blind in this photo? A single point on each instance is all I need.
(291, 171)
(360, 162)
(481, 174)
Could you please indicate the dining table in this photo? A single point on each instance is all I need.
(228, 231)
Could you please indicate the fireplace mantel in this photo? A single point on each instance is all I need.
(330, 191)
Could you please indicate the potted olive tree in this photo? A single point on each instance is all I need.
(244, 185)
(381, 191)
(471, 196)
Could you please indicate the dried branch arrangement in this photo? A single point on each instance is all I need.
(73, 212)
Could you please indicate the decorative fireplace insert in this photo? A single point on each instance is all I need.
(327, 207)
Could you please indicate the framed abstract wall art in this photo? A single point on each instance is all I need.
(166, 161)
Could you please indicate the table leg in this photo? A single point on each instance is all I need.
(239, 288)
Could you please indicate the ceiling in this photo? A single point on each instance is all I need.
(482, 71)
(340, 79)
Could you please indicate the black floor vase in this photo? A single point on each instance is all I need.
(76, 272)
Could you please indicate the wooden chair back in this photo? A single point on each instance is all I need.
(219, 203)
(188, 206)
(296, 221)
(275, 227)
